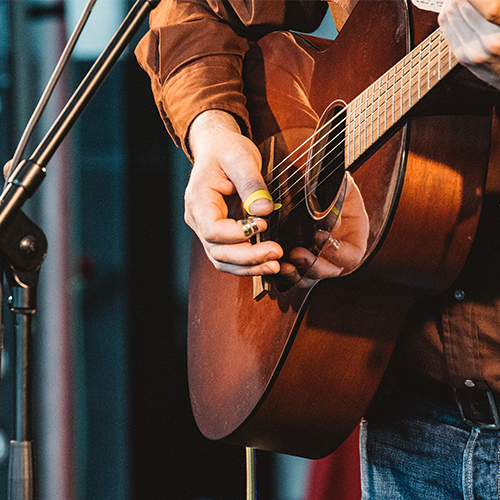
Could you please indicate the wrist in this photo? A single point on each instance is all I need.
(208, 122)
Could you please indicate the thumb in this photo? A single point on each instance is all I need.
(257, 200)
(242, 165)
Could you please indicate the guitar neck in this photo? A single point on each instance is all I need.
(389, 98)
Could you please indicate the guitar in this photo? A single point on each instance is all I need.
(291, 365)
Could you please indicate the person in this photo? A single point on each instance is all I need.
(415, 443)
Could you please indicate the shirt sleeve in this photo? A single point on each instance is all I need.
(194, 52)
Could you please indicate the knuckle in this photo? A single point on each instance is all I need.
(208, 234)
(492, 12)
(476, 58)
(220, 267)
(189, 220)
(493, 45)
(252, 185)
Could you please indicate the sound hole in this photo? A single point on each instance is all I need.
(326, 166)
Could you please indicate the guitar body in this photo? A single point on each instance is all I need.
(294, 370)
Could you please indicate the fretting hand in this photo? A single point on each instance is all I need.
(472, 29)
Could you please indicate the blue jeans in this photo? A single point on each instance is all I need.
(415, 448)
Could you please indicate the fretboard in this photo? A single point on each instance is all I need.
(389, 98)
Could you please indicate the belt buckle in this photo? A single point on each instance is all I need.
(475, 422)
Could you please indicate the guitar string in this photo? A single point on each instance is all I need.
(409, 61)
(397, 77)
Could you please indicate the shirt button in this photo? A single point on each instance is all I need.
(469, 383)
(459, 294)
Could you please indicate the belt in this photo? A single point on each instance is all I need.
(477, 408)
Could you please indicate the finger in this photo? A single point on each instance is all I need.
(267, 269)
(312, 266)
(489, 9)
(245, 254)
(228, 231)
(341, 254)
(474, 41)
(245, 259)
(467, 32)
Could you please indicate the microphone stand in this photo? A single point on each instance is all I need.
(23, 247)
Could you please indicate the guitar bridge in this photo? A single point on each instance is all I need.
(261, 285)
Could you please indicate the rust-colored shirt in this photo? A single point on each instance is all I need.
(193, 54)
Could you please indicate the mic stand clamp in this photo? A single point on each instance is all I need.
(23, 247)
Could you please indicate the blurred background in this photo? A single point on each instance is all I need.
(111, 409)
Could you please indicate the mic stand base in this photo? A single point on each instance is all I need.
(21, 471)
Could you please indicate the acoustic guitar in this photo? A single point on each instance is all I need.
(290, 364)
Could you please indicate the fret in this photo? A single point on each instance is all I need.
(378, 108)
(369, 125)
(419, 83)
(370, 105)
(394, 101)
(373, 104)
(366, 118)
(403, 90)
(434, 67)
(356, 126)
(424, 68)
(396, 94)
(410, 83)
(383, 113)
(429, 65)
(350, 148)
(362, 128)
(347, 135)
(353, 130)
(385, 102)
(404, 84)
(439, 60)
